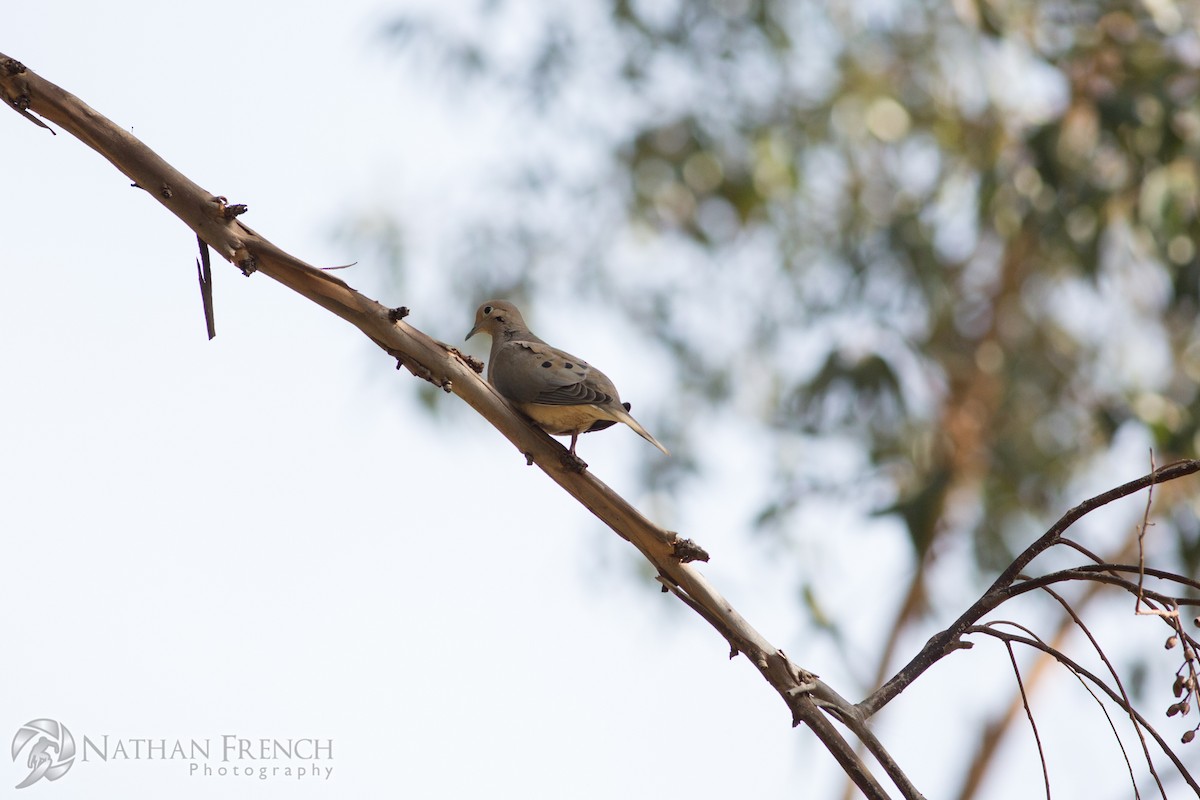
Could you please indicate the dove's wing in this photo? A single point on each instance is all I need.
(535, 372)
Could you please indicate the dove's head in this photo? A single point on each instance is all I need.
(495, 317)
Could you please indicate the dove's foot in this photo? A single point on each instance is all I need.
(573, 463)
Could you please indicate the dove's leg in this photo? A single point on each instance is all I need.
(570, 460)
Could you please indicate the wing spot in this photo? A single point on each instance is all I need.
(568, 365)
(546, 364)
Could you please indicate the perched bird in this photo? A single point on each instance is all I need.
(559, 392)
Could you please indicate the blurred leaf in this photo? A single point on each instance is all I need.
(960, 237)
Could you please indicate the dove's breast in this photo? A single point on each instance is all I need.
(562, 420)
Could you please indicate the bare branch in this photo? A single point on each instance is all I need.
(1051, 537)
(995, 730)
(1099, 703)
(1126, 702)
(946, 641)
(1110, 574)
(1074, 545)
(1037, 737)
(1066, 661)
(216, 223)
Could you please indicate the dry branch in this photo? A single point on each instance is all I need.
(1012, 583)
(216, 223)
(1005, 586)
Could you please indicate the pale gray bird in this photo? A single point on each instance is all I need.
(559, 392)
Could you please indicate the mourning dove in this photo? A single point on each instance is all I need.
(558, 391)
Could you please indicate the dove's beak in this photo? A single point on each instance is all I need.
(474, 331)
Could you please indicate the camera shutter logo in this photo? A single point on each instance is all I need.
(46, 747)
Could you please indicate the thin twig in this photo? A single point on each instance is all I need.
(204, 268)
(1066, 661)
(1141, 548)
(1108, 718)
(946, 641)
(1074, 545)
(1037, 737)
(1110, 574)
(1126, 703)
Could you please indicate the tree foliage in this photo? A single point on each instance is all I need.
(960, 237)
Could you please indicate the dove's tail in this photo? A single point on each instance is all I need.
(624, 416)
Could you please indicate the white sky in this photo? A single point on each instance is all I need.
(265, 536)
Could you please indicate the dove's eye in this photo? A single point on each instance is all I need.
(487, 311)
